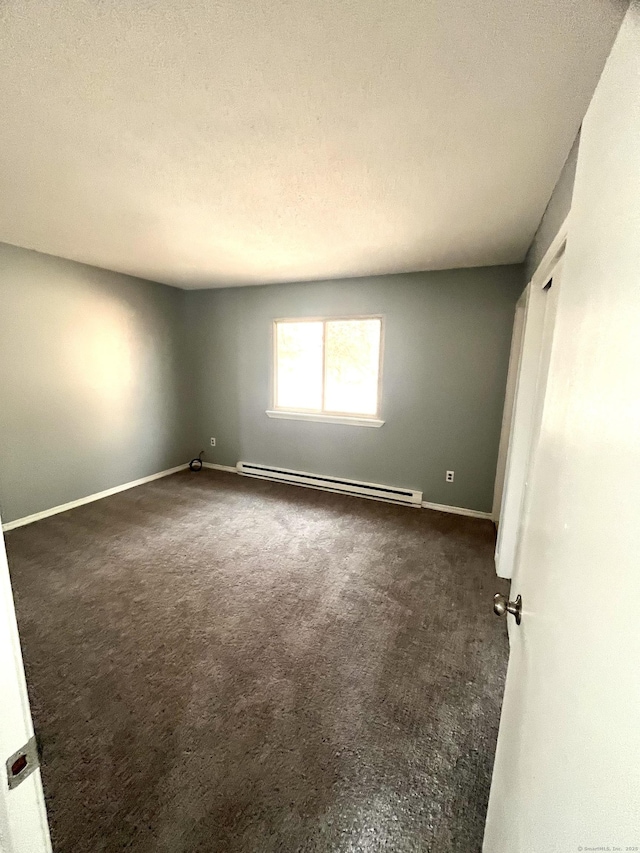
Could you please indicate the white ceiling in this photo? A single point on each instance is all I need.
(218, 142)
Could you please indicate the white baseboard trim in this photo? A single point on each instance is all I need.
(54, 510)
(215, 467)
(45, 513)
(457, 510)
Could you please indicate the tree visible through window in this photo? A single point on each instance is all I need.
(328, 366)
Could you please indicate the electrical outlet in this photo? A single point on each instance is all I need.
(449, 477)
(213, 442)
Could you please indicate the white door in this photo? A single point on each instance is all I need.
(23, 820)
(567, 768)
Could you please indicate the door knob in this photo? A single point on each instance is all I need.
(502, 606)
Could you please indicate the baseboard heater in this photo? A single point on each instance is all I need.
(373, 491)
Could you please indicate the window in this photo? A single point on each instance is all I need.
(328, 370)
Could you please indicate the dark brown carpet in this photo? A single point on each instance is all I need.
(224, 664)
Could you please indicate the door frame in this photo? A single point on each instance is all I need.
(523, 376)
(515, 356)
(23, 817)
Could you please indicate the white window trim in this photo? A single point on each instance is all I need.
(321, 418)
(343, 418)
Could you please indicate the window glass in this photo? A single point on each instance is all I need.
(352, 358)
(328, 366)
(299, 365)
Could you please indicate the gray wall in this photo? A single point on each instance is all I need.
(556, 212)
(91, 380)
(447, 337)
(102, 381)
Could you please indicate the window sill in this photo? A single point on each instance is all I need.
(348, 420)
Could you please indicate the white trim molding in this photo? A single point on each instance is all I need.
(46, 513)
(515, 356)
(54, 510)
(454, 510)
(521, 440)
(457, 510)
(348, 420)
(545, 268)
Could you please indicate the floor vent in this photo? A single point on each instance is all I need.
(390, 494)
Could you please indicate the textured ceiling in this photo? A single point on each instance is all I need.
(215, 142)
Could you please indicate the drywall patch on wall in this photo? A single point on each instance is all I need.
(447, 338)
